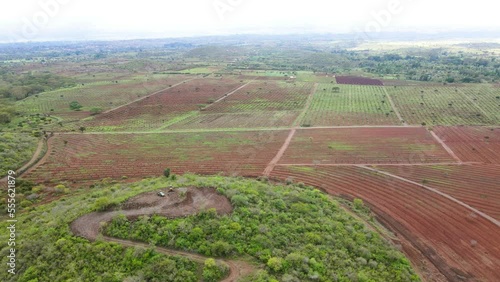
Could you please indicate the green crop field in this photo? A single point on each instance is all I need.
(447, 105)
(349, 105)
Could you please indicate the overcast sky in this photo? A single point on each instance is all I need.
(36, 20)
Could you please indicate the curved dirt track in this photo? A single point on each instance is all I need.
(177, 203)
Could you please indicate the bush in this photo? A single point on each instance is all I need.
(166, 172)
(75, 106)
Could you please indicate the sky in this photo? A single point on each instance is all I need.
(44, 20)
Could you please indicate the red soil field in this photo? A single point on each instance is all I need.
(385, 145)
(357, 80)
(475, 185)
(97, 156)
(159, 108)
(261, 119)
(460, 244)
(472, 144)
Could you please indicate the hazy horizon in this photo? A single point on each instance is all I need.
(55, 20)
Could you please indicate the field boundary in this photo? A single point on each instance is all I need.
(393, 105)
(433, 190)
(448, 149)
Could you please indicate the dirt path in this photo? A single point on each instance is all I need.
(177, 203)
(280, 153)
(448, 149)
(474, 210)
(32, 161)
(42, 160)
(396, 111)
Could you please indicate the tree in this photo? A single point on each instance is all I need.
(166, 172)
(95, 111)
(75, 106)
(82, 129)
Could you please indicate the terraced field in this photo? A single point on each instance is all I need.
(343, 105)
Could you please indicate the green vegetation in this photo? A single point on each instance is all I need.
(75, 106)
(19, 86)
(15, 150)
(298, 233)
(49, 252)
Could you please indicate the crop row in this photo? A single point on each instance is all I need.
(96, 156)
(441, 106)
(104, 96)
(349, 105)
(364, 146)
(414, 212)
(166, 105)
(258, 119)
(476, 185)
(472, 144)
(265, 96)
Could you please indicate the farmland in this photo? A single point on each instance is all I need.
(356, 80)
(415, 213)
(473, 144)
(445, 105)
(397, 145)
(257, 105)
(353, 155)
(340, 105)
(97, 156)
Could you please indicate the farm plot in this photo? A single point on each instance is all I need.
(472, 144)
(257, 105)
(262, 119)
(96, 156)
(364, 146)
(458, 242)
(485, 98)
(165, 107)
(96, 95)
(357, 80)
(440, 106)
(349, 105)
(476, 185)
(265, 96)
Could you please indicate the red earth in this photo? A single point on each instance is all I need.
(462, 245)
(476, 185)
(95, 156)
(357, 80)
(472, 143)
(365, 145)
